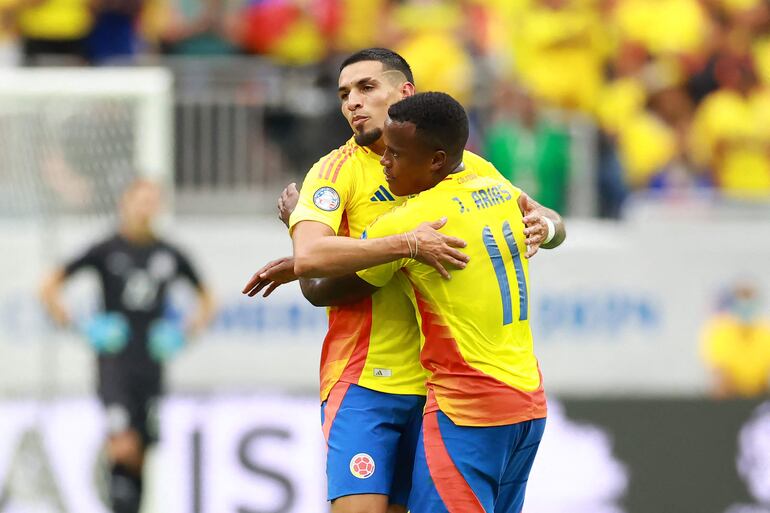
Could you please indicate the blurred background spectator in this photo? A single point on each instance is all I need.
(54, 31)
(736, 344)
(529, 149)
(677, 92)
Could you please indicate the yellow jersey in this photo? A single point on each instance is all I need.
(476, 341)
(730, 134)
(373, 343)
(740, 352)
(56, 19)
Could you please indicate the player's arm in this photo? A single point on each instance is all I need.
(340, 290)
(318, 252)
(349, 288)
(320, 257)
(204, 312)
(205, 305)
(51, 287)
(339, 257)
(50, 296)
(537, 219)
(333, 291)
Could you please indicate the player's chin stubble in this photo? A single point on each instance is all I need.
(367, 138)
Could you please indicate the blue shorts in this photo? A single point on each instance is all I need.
(461, 469)
(371, 439)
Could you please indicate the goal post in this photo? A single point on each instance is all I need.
(150, 88)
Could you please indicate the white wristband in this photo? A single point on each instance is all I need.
(551, 230)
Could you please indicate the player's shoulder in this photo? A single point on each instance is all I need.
(338, 164)
(486, 170)
(164, 245)
(161, 243)
(476, 162)
(427, 203)
(110, 242)
(393, 218)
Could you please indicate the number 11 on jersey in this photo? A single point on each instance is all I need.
(502, 275)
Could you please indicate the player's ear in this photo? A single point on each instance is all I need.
(438, 161)
(407, 90)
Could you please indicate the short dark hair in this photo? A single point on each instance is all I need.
(390, 60)
(439, 118)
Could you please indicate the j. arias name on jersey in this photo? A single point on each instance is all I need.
(491, 196)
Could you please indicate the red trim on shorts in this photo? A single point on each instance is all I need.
(332, 407)
(455, 492)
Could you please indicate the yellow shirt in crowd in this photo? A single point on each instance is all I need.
(740, 353)
(56, 19)
(663, 26)
(731, 134)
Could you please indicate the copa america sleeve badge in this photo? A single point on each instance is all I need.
(326, 199)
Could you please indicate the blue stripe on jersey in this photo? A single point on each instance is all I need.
(387, 193)
(502, 275)
(517, 264)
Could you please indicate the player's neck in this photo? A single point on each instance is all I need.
(441, 175)
(378, 146)
(140, 234)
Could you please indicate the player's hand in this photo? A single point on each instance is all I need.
(436, 249)
(287, 202)
(535, 227)
(272, 275)
(108, 332)
(165, 340)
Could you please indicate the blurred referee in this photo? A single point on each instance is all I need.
(131, 337)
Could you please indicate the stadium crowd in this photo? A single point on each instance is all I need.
(680, 89)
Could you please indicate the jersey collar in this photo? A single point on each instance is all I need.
(458, 174)
(366, 152)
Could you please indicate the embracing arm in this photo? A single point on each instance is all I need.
(340, 290)
(536, 227)
(319, 253)
(325, 262)
(334, 291)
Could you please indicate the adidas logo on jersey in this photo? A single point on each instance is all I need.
(382, 194)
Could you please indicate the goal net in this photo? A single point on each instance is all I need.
(72, 139)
